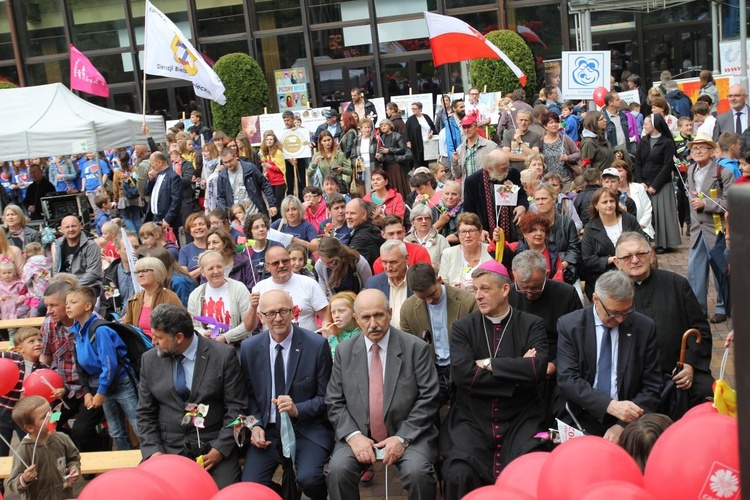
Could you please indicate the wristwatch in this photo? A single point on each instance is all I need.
(486, 363)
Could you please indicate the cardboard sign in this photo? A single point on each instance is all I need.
(295, 143)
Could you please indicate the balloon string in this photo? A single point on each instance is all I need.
(39, 433)
(14, 451)
(53, 388)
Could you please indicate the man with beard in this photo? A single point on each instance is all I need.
(365, 237)
(453, 135)
(195, 370)
(361, 106)
(498, 360)
(667, 298)
(479, 195)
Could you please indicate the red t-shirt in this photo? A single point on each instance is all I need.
(417, 253)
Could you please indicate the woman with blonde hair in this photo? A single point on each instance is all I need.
(11, 252)
(273, 165)
(153, 278)
(16, 225)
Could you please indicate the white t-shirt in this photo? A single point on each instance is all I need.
(306, 294)
(614, 232)
(216, 304)
(425, 127)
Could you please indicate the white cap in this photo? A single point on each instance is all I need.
(611, 171)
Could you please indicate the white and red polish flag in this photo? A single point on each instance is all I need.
(84, 76)
(452, 40)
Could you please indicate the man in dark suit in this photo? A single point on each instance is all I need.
(286, 370)
(736, 119)
(187, 368)
(164, 189)
(430, 313)
(392, 281)
(608, 361)
(242, 182)
(393, 371)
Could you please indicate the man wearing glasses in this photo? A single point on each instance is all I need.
(736, 119)
(479, 109)
(667, 298)
(608, 361)
(286, 370)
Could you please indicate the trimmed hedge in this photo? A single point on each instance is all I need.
(7, 85)
(246, 92)
(495, 74)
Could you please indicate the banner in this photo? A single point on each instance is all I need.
(132, 258)
(291, 89)
(583, 72)
(168, 53)
(295, 143)
(84, 76)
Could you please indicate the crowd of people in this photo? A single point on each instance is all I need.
(279, 289)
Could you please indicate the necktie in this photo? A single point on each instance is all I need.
(377, 422)
(278, 372)
(738, 123)
(179, 379)
(604, 366)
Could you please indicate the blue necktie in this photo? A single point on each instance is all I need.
(179, 379)
(604, 366)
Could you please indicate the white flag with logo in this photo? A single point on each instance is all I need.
(169, 53)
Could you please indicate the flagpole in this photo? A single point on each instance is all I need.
(144, 90)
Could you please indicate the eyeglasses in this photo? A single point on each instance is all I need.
(473, 93)
(615, 314)
(467, 232)
(141, 272)
(701, 148)
(639, 255)
(736, 96)
(284, 313)
(531, 291)
(423, 218)
(275, 263)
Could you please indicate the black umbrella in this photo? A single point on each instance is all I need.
(675, 402)
(717, 259)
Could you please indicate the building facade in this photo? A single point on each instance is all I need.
(333, 40)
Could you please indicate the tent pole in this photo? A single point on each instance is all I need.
(143, 106)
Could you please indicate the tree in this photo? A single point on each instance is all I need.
(495, 74)
(246, 92)
(5, 84)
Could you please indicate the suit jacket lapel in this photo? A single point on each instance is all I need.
(589, 339)
(392, 370)
(264, 391)
(361, 372)
(201, 362)
(294, 355)
(624, 350)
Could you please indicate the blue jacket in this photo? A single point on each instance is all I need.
(101, 218)
(572, 123)
(183, 286)
(99, 362)
(67, 169)
(732, 165)
(612, 133)
(680, 103)
(256, 186)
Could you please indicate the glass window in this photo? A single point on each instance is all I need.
(175, 10)
(280, 52)
(99, 25)
(6, 46)
(452, 4)
(219, 17)
(44, 27)
(691, 11)
(483, 22)
(113, 69)
(335, 83)
(602, 21)
(342, 43)
(49, 72)
(331, 11)
(273, 14)
(386, 8)
(403, 36)
(215, 50)
(541, 27)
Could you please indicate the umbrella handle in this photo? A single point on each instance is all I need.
(685, 336)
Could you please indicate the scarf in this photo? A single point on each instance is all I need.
(492, 217)
(18, 233)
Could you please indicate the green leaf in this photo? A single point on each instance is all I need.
(246, 91)
(496, 75)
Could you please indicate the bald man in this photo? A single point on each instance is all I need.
(286, 370)
(77, 254)
(736, 119)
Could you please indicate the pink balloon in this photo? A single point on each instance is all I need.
(619, 490)
(245, 491)
(599, 94)
(34, 384)
(523, 472)
(129, 484)
(495, 492)
(581, 462)
(706, 408)
(188, 478)
(9, 374)
(696, 457)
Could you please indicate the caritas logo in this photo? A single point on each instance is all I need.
(722, 483)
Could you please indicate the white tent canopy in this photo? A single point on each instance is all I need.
(50, 120)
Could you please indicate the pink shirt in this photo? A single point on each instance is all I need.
(144, 322)
(317, 218)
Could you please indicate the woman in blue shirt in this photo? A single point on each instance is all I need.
(293, 222)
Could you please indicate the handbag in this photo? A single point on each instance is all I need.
(559, 271)
(169, 235)
(130, 189)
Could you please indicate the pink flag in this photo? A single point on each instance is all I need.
(84, 76)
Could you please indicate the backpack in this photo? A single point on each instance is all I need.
(134, 339)
(130, 189)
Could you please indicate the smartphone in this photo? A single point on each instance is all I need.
(379, 453)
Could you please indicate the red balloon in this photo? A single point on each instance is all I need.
(523, 472)
(188, 478)
(35, 385)
(706, 408)
(599, 94)
(619, 490)
(244, 490)
(494, 492)
(696, 457)
(578, 463)
(9, 374)
(129, 484)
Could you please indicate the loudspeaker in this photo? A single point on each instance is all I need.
(55, 208)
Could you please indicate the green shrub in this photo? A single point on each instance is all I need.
(5, 84)
(496, 75)
(246, 92)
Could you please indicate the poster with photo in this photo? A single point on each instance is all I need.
(553, 75)
(405, 101)
(491, 100)
(291, 89)
(250, 125)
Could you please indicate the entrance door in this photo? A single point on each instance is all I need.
(414, 74)
(684, 51)
(335, 82)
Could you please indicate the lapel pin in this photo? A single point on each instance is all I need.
(629, 334)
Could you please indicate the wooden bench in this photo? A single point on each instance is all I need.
(21, 322)
(92, 462)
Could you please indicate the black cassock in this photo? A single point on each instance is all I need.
(496, 414)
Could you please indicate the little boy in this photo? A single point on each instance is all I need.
(103, 367)
(27, 350)
(330, 186)
(57, 463)
(94, 175)
(572, 121)
(729, 148)
(103, 203)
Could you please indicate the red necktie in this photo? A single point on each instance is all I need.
(377, 422)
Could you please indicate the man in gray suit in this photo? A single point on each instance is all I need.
(736, 119)
(186, 368)
(374, 410)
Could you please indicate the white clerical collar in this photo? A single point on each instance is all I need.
(498, 319)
